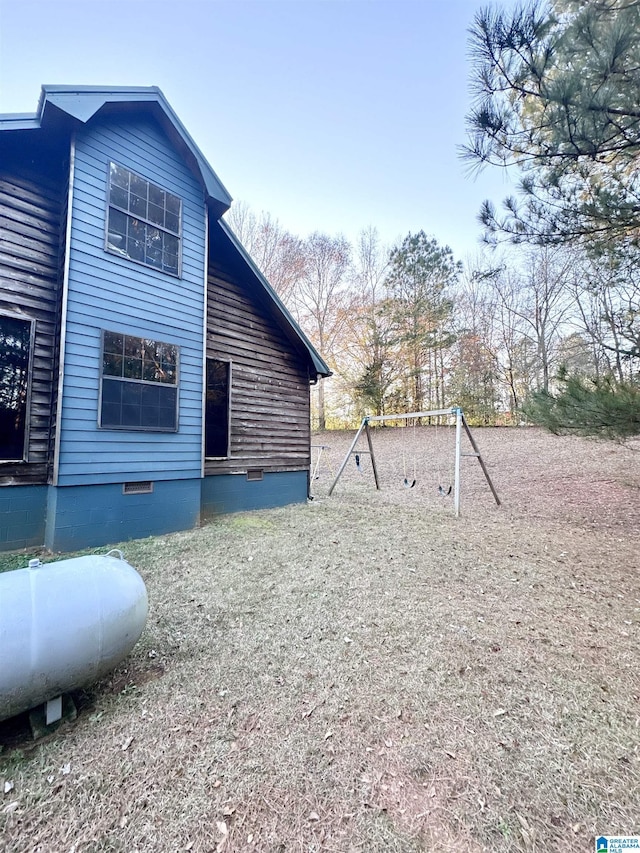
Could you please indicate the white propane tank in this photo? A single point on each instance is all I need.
(63, 625)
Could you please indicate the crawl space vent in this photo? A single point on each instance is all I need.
(144, 487)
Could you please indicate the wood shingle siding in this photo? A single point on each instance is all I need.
(30, 245)
(270, 387)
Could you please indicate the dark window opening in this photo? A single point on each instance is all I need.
(139, 384)
(143, 222)
(15, 358)
(216, 442)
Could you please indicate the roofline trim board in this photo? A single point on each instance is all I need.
(320, 366)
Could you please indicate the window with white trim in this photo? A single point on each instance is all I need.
(143, 221)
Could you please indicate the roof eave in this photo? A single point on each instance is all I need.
(19, 121)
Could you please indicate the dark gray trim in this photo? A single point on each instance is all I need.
(145, 382)
(108, 205)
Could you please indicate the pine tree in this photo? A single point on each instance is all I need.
(558, 89)
(420, 273)
(601, 408)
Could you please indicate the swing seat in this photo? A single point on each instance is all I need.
(409, 485)
(444, 492)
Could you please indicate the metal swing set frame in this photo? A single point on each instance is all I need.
(460, 423)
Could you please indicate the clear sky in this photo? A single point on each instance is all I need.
(332, 115)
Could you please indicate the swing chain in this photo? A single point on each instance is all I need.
(445, 491)
(409, 484)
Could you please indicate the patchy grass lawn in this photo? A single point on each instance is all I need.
(367, 673)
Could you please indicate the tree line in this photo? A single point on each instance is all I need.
(410, 328)
(546, 328)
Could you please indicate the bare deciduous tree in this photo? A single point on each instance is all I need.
(474, 381)
(278, 253)
(370, 365)
(322, 298)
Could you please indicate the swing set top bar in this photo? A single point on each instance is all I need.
(364, 427)
(433, 413)
(460, 424)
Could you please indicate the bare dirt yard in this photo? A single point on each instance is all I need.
(368, 673)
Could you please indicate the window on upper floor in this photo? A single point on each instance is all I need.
(143, 221)
(216, 441)
(139, 388)
(16, 336)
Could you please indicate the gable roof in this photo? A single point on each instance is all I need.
(59, 107)
(81, 103)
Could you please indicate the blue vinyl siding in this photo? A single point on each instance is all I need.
(109, 292)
